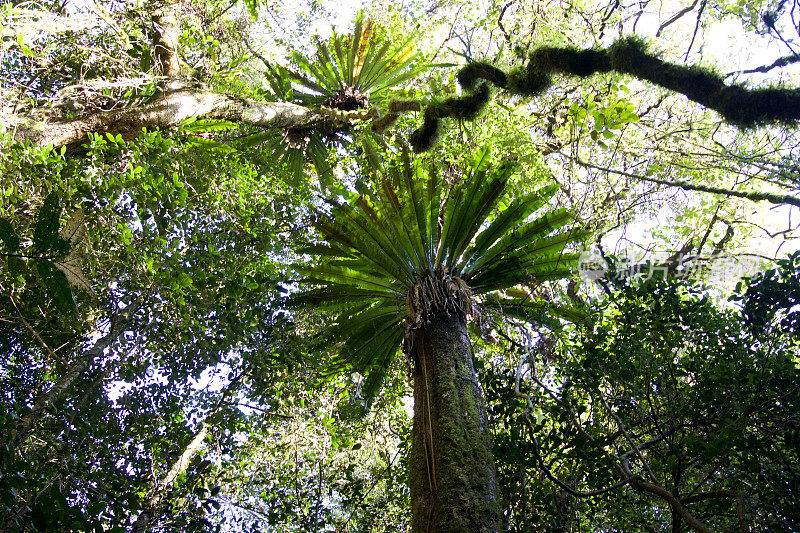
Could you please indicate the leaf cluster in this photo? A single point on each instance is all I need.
(383, 246)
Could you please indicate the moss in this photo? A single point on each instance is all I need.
(624, 53)
(472, 73)
(736, 104)
(465, 496)
(423, 138)
(528, 81)
(401, 106)
(570, 60)
(467, 107)
(761, 106)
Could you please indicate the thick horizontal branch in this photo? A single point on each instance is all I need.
(711, 495)
(170, 110)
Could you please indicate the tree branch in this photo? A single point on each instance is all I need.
(650, 488)
(150, 509)
(674, 18)
(780, 62)
(754, 196)
(738, 105)
(171, 110)
(117, 327)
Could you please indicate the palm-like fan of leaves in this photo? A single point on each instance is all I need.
(363, 66)
(380, 244)
(346, 73)
(293, 155)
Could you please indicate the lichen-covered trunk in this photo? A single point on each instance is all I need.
(451, 468)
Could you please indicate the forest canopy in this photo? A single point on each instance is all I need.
(435, 266)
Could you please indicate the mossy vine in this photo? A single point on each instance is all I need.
(745, 108)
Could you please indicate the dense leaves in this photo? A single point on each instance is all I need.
(673, 387)
(151, 377)
(387, 250)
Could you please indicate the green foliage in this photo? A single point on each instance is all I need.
(383, 243)
(606, 117)
(310, 464)
(710, 402)
(190, 232)
(350, 73)
(353, 70)
(252, 8)
(51, 253)
(771, 298)
(181, 238)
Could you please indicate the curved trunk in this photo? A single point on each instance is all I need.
(451, 468)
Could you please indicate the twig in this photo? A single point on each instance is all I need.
(696, 27)
(674, 18)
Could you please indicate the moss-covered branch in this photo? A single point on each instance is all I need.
(742, 107)
(754, 196)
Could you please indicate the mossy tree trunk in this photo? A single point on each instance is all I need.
(451, 467)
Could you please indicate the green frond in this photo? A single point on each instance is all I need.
(348, 276)
(367, 340)
(386, 350)
(386, 240)
(473, 202)
(318, 154)
(513, 271)
(195, 125)
(486, 200)
(333, 297)
(373, 239)
(291, 156)
(400, 214)
(519, 238)
(434, 204)
(397, 208)
(535, 311)
(419, 201)
(366, 61)
(510, 218)
(358, 54)
(548, 247)
(318, 81)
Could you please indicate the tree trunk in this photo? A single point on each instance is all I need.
(119, 325)
(151, 508)
(451, 467)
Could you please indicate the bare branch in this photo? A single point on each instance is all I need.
(650, 488)
(674, 18)
(754, 196)
(780, 62)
